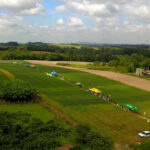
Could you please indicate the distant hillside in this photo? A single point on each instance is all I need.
(145, 46)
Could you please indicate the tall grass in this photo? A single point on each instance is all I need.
(7, 74)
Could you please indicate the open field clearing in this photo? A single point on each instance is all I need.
(84, 107)
(127, 79)
(55, 62)
(71, 46)
(120, 93)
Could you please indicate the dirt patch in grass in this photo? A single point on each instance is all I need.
(58, 113)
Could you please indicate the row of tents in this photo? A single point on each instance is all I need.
(97, 92)
(31, 66)
(20, 62)
(15, 62)
(129, 106)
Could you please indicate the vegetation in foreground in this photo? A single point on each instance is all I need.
(22, 131)
(145, 145)
(17, 91)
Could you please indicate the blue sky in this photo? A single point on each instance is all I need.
(100, 21)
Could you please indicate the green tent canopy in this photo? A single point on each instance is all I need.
(131, 107)
(20, 62)
(79, 84)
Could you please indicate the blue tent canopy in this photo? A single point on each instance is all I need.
(26, 65)
(53, 73)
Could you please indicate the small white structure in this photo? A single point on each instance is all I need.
(139, 71)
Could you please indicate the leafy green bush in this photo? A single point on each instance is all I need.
(17, 91)
(93, 140)
(19, 131)
(145, 145)
(78, 147)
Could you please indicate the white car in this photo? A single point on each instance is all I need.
(144, 134)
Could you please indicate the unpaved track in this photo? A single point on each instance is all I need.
(58, 113)
(127, 79)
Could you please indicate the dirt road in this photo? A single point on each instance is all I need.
(127, 79)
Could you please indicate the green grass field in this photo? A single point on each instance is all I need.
(71, 46)
(105, 67)
(119, 92)
(36, 110)
(80, 105)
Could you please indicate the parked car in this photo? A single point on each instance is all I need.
(144, 134)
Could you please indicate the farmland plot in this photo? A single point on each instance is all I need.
(80, 105)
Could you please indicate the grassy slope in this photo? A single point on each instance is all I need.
(82, 106)
(36, 110)
(121, 93)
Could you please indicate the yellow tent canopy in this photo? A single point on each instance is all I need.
(95, 90)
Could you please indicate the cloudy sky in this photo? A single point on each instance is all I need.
(58, 21)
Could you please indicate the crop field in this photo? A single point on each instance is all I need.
(80, 105)
(120, 93)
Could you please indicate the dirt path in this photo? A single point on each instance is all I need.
(127, 79)
(58, 113)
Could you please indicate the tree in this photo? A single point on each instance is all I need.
(93, 140)
(20, 131)
(17, 91)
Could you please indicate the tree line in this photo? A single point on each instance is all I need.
(130, 58)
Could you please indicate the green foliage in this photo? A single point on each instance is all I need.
(130, 67)
(21, 131)
(78, 147)
(132, 57)
(96, 63)
(17, 91)
(145, 145)
(145, 64)
(93, 140)
(114, 63)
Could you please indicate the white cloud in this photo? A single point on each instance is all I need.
(138, 11)
(89, 8)
(103, 21)
(61, 8)
(25, 7)
(60, 21)
(44, 27)
(75, 21)
(133, 10)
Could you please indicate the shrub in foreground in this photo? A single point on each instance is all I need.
(19, 131)
(17, 91)
(78, 147)
(92, 140)
(145, 145)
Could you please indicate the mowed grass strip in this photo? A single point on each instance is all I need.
(35, 110)
(120, 93)
(80, 105)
